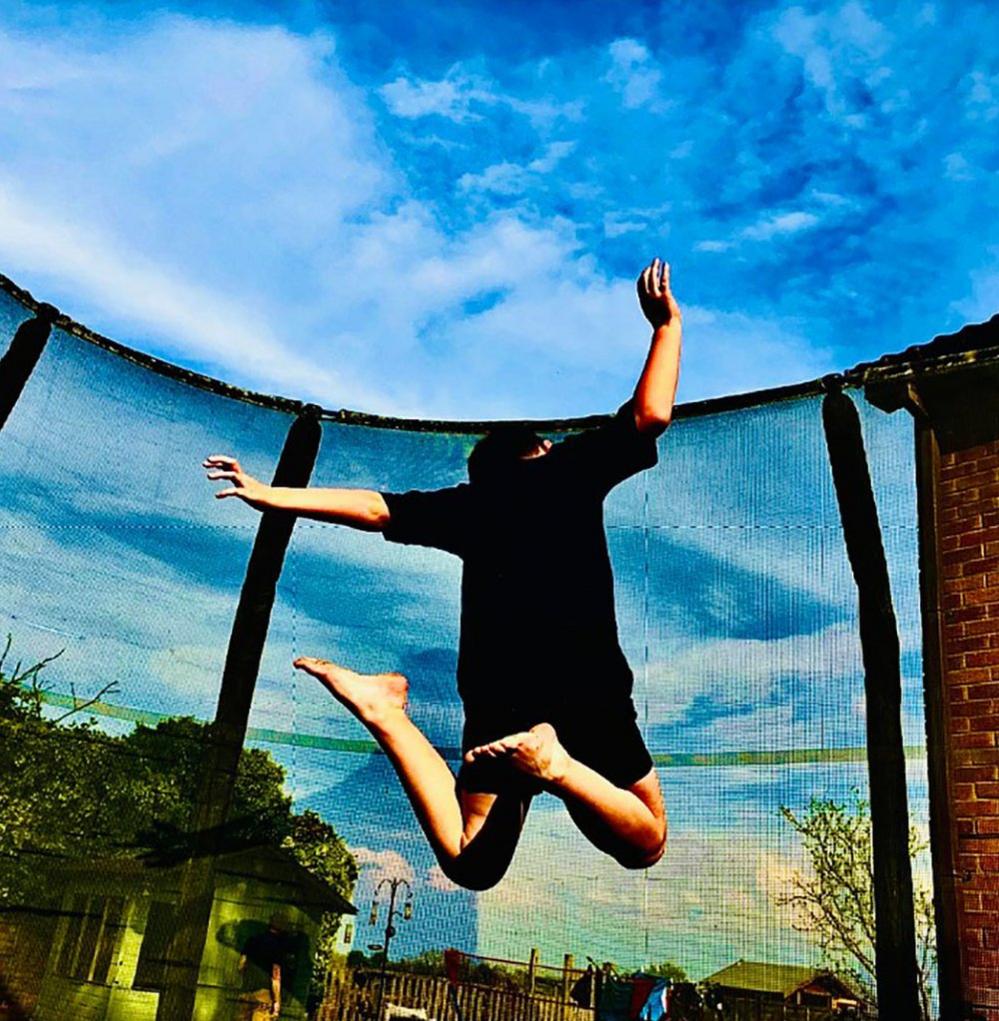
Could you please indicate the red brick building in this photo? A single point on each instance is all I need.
(951, 387)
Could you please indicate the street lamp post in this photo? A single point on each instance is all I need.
(407, 914)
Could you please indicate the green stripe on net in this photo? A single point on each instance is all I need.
(666, 760)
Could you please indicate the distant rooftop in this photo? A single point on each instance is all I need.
(762, 977)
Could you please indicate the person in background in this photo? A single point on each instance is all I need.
(265, 966)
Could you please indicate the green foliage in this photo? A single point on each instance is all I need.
(428, 962)
(666, 969)
(835, 901)
(52, 790)
(316, 845)
(70, 790)
(471, 971)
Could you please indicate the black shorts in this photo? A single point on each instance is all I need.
(602, 735)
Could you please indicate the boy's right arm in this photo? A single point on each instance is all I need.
(359, 508)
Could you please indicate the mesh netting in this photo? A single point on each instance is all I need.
(737, 611)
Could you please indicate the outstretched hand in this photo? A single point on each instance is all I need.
(245, 486)
(654, 295)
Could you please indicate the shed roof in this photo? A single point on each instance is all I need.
(262, 863)
(764, 977)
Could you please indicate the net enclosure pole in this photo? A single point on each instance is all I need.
(228, 730)
(895, 935)
(20, 359)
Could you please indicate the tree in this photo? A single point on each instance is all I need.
(316, 845)
(51, 785)
(666, 969)
(835, 901)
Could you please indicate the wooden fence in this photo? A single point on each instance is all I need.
(737, 1009)
(354, 997)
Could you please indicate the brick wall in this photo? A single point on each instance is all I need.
(968, 533)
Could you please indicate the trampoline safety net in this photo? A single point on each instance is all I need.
(737, 610)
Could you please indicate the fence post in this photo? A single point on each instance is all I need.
(566, 972)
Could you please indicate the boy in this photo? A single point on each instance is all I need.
(545, 686)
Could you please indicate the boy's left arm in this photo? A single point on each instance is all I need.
(656, 389)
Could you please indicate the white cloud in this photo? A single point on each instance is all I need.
(835, 47)
(514, 178)
(732, 672)
(195, 321)
(462, 97)
(634, 73)
(149, 166)
(783, 223)
(982, 102)
(614, 227)
(351, 273)
(983, 300)
(957, 168)
(730, 352)
(708, 902)
(713, 246)
(769, 227)
(437, 880)
(500, 178)
(385, 864)
(551, 157)
(450, 97)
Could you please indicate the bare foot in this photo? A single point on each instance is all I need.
(536, 752)
(370, 697)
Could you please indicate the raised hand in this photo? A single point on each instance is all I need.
(246, 487)
(654, 295)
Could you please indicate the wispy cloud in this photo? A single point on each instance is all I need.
(734, 673)
(451, 97)
(784, 223)
(634, 73)
(194, 321)
(462, 96)
(382, 864)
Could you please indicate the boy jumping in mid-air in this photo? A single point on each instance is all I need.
(544, 684)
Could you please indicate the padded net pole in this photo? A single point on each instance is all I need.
(228, 731)
(895, 936)
(22, 356)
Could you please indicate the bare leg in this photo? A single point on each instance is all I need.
(473, 835)
(628, 824)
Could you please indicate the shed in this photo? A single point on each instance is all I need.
(107, 958)
(800, 985)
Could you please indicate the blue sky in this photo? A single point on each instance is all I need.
(439, 210)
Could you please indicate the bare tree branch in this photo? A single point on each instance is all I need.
(110, 688)
(835, 903)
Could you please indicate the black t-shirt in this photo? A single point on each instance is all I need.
(537, 593)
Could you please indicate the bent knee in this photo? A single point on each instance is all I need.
(472, 878)
(637, 862)
(641, 858)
